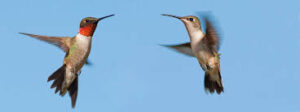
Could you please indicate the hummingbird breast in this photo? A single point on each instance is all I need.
(78, 52)
(199, 47)
(201, 52)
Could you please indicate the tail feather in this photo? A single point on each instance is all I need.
(58, 77)
(73, 91)
(213, 84)
(57, 73)
(57, 81)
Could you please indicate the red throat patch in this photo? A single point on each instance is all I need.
(88, 30)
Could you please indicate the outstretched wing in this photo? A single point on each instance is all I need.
(61, 42)
(182, 48)
(212, 37)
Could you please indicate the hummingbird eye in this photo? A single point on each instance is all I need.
(190, 19)
(87, 21)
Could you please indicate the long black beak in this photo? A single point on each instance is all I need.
(171, 16)
(104, 17)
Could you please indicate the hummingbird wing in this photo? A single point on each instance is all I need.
(61, 42)
(182, 48)
(212, 37)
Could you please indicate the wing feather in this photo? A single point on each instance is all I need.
(61, 42)
(183, 48)
(212, 37)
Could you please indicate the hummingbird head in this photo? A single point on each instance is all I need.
(88, 25)
(191, 22)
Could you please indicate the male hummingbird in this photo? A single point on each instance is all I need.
(205, 48)
(77, 51)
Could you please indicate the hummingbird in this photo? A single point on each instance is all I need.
(205, 48)
(77, 51)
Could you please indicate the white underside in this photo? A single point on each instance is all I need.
(83, 41)
(197, 45)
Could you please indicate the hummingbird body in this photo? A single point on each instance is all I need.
(201, 50)
(197, 45)
(75, 59)
(77, 51)
(204, 47)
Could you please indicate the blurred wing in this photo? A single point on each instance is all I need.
(182, 48)
(212, 37)
(61, 42)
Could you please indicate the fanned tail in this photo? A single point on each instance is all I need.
(213, 82)
(58, 77)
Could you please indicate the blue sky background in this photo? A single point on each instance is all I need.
(132, 73)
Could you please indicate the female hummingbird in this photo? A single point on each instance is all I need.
(205, 48)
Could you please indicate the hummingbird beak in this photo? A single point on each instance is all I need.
(171, 16)
(104, 17)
